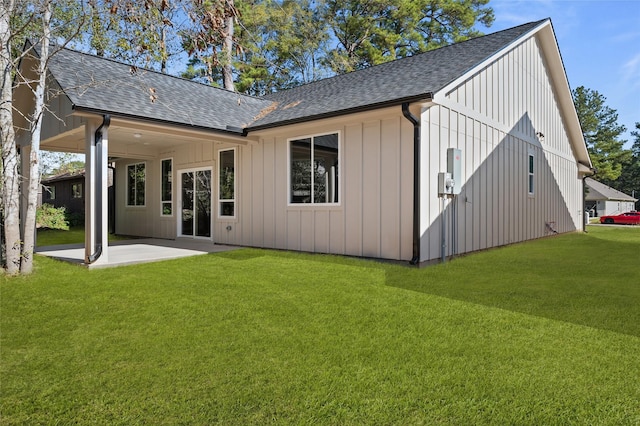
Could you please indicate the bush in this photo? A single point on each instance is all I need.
(75, 218)
(48, 216)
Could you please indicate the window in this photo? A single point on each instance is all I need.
(136, 176)
(227, 183)
(166, 188)
(51, 192)
(313, 170)
(531, 174)
(76, 190)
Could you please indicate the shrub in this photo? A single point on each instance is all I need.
(75, 218)
(48, 216)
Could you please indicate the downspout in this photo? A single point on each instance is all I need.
(415, 260)
(97, 188)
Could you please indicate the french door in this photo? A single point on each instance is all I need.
(195, 213)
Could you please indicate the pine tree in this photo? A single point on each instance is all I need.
(602, 134)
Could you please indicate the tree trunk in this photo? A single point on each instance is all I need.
(10, 178)
(227, 67)
(26, 266)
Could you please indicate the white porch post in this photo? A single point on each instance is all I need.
(96, 225)
(89, 194)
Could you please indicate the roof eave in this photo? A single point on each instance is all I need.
(425, 97)
(549, 44)
(233, 131)
(54, 179)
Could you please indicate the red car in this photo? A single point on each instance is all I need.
(629, 218)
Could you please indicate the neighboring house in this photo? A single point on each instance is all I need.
(68, 190)
(65, 190)
(602, 200)
(346, 165)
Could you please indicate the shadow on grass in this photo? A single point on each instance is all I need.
(589, 279)
(584, 279)
(73, 235)
(240, 254)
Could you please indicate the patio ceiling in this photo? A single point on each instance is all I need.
(128, 138)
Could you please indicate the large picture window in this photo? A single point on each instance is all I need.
(227, 183)
(313, 170)
(167, 189)
(136, 177)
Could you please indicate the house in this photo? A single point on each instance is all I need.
(602, 200)
(68, 190)
(349, 165)
(65, 190)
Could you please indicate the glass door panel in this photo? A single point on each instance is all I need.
(187, 204)
(203, 203)
(195, 215)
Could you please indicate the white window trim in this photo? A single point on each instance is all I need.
(126, 195)
(178, 216)
(173, 180)
(288, 189)
(235, 186)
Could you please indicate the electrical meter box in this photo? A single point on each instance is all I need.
(454, 168)
(445, 184)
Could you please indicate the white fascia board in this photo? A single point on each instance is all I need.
(551, 51)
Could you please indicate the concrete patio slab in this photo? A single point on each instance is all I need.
(130, 252)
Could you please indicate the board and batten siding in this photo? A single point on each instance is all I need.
(147, 220)
(374, 214)
(495, 118)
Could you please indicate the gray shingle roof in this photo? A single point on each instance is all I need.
(393, 82)
(103, 85)
(600, 191)
(64, 176)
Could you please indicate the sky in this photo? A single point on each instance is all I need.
(599, 42)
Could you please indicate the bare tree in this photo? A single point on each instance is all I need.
(27, 20)
(10, 178)
(26, 264)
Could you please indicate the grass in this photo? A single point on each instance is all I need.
(75, 235)
(546, 332)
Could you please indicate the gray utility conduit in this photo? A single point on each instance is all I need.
(97, 188)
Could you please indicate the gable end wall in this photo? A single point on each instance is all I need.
(494, 118)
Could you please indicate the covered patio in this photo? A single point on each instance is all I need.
(152, 133)
(135, 251)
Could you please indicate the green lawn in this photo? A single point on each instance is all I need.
(75, 234)
(546, 332)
